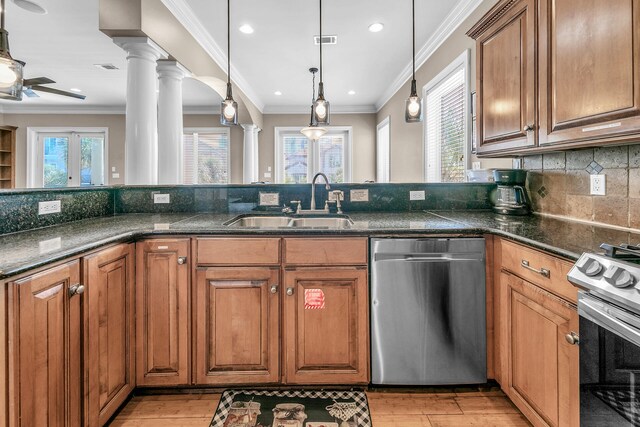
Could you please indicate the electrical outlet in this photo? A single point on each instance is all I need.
(45, 208)
(161, 198)
(598, 185)
(269, 199)
(417, 195)
(359, 195)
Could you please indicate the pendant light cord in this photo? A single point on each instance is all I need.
(320, 41)
(2, 15)
(413, 15)
(228, 40)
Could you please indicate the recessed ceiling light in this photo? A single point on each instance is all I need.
(277, 93)
(376, 27)
(30, 6)
(352, 92)
(246, 28)
(75, 89)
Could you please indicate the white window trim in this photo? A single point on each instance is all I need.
(383, 123)
(348, 157)
(220, 129)
(464, 60)
(35, 153)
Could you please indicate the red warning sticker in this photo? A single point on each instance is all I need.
(313, 299)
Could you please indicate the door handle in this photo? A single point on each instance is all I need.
(77, 289)
(289, 291)
(543, 271)
(528, 128)
(182, 260)
(274, 289)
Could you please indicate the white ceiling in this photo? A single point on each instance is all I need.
(65, 43)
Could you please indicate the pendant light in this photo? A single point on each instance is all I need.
(10, 69)
(413, 108)
(229, 108)
(313, 132)
(321, 110)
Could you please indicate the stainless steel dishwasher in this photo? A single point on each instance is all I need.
(428, 311)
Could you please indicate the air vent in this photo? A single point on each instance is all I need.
(106, 66)
(325, 40)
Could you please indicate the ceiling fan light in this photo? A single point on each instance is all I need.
(313, 133)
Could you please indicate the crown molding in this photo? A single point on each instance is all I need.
(455, 18)
(61, 109)
(189, 20)
(305, 109)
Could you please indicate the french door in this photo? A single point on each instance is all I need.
(70, 159)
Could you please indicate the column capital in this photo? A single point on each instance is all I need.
(141, 47)
(168, 68)
(249, 127)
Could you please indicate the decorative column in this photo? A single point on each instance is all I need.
(141, 135)
(170, 127)
(250, 156)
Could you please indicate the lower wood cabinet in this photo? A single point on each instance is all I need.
(542, 368)
(163, 340)
(109, 342)
(326, 326)
(45, 329)
(236, 325)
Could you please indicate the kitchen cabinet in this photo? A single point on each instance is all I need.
(109, 342)
(163, 355)
(45, 328)
(236, 325)
(326, 326)
(506, 77)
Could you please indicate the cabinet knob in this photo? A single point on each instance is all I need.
(182, 260)
(289, 291)
(76, 290)
(528, 128)
(572, 338)
(274, 289)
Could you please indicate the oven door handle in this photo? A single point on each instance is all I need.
(597, 315)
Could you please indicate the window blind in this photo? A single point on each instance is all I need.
(383, 162)
(206, 157)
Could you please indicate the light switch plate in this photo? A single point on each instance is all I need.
(45, 208)
(269, 199)
(598, 185)
(475, 165)
(417, 195)
(359, 195)
(160, 198)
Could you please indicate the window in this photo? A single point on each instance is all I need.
(446, 127)
(66, 158)
(206, 156)
(383, 145)
(298, 159)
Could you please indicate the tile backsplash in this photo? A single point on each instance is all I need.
(559, 184)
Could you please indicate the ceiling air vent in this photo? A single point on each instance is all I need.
(106, 66)
(325, 40)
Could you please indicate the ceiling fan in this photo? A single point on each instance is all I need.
(31, 86)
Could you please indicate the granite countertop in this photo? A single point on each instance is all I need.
(20, 252)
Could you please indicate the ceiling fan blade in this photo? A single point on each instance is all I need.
(37, 81)
(57, 92)
(30, 93)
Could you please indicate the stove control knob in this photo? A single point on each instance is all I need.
(619, 277)
(589, 266)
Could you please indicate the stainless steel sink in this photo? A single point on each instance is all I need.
(260, 221)
(318, 222)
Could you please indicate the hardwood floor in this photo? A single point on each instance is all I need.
(490, 408)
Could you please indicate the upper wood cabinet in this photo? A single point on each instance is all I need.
(45, 318)
(163, 355)
(506, 77)
(237, 325)
(109, 343)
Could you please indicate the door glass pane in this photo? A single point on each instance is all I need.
(331, 157)
(91, 160)
(56, 157)
(296, 159)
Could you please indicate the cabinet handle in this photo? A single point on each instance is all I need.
(182, 260)
(543, 271)
(76, 290)
(572, 338)
(274, 289)
(528, 128)
(289, 291)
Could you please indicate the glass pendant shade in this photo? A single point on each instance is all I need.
(321, 108)
(229, 109)
(313, 133)
(413, 107)
(10, 71)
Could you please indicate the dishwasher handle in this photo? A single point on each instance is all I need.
(443, 257)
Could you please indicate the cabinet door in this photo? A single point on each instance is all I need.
(543, 368)
(162, 312)
(589, 70)
(506, 76)
(237, 325)
(48, 382)
(326, 326)
(110, 335)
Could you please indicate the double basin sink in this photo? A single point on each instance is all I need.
(273, 221)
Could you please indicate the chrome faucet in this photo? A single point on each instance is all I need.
(313, 189)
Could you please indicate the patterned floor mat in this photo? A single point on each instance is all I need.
(292, 408)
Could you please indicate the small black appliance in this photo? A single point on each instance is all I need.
(511, 196)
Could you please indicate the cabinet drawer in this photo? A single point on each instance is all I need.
(332, 251)
(237, 251)
(537, 267)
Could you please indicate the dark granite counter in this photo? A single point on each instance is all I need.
(20, 252)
